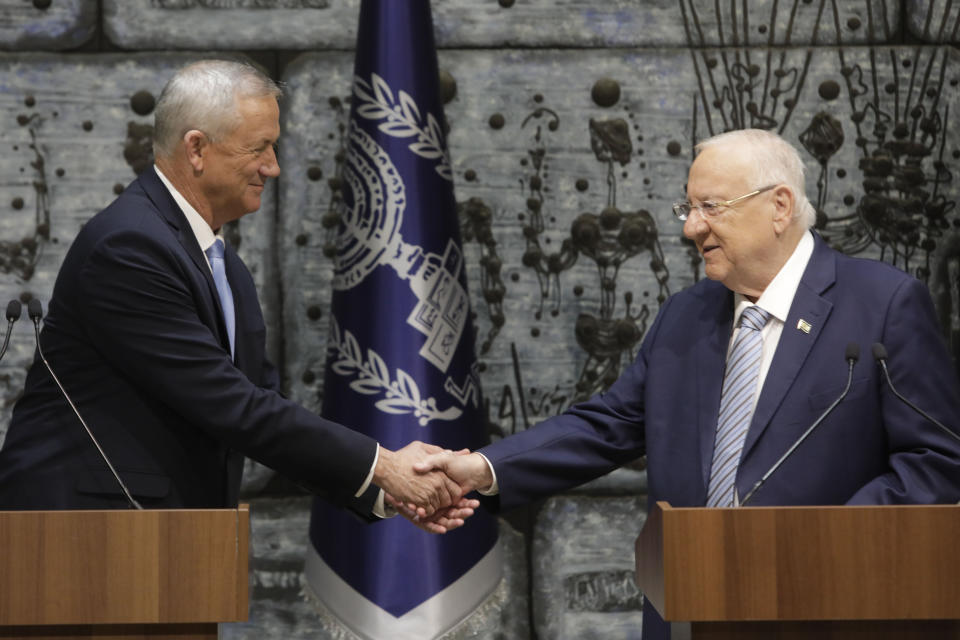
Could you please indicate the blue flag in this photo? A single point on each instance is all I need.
(400, 365)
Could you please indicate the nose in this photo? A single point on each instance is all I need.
(270, 168)
(695, 225)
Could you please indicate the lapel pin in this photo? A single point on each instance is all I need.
(804, 326)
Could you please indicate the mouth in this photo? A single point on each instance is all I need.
(708, 248)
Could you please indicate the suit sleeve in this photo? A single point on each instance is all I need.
(142, 316)
(271, 377)
(924, 462)
(586, 441)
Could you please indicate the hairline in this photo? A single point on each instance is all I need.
(804, 213)
(179, 111)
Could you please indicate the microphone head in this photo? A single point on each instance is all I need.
(14, 310)
(852, 353)
(879, 352)
(35, 309)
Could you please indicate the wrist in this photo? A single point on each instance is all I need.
(385, 466)
(482, 476)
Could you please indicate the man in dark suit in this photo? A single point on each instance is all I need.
(155, 331)
(714, 402)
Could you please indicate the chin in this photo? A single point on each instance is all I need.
(715, 274)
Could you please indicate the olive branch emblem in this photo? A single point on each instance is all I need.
(373, 378)
(403, 120)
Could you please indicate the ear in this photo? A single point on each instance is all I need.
(195, 144)
(783, 208)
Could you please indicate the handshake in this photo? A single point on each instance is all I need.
(427, 483)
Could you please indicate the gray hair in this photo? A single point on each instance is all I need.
(775, 161)
(203, 96)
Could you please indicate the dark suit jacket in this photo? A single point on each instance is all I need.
(871, 450)
(135, 333)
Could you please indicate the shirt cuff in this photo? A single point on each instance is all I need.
(369, 479)
(493, 489)
(381, 509)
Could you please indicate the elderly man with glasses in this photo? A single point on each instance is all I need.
(737, 368)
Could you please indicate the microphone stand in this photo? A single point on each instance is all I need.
(853, 354)
(35, 311)
(880, 355)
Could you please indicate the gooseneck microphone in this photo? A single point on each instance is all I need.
(35, 311)
(14, 311)
(851, 355)
(880, 355)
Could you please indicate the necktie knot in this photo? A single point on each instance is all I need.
(215, 251)
(754, 318)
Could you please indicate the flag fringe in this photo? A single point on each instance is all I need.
(488, 608)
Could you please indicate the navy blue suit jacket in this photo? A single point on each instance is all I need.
(871, 450)
(135, 333)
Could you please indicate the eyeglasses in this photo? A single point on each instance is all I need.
(710, 209)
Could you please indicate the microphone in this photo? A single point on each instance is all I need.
(14, 311)
(880, 355)
(35, 311)
(851, 355)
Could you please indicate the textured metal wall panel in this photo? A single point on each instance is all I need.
(583, 568)
(46, 25)
(331, 24)
(933, 20)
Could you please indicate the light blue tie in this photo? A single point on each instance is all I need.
(736, 406)
(215, 256)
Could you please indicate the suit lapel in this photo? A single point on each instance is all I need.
(795, 344)
(174, 217)
(715, 326)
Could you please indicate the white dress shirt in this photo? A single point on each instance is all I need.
(776, 300)
(201, 229)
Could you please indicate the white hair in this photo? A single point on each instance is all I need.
(203, 96)
(775, 161)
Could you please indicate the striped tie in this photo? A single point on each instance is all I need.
(736, 405)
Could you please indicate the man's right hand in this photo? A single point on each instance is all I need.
(469, 470)
(429, 490)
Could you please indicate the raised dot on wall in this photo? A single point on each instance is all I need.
(605, 92)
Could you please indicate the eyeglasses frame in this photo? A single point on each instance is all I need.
(679, 206)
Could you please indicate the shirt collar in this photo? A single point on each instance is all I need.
(201, 230)
(777, 298)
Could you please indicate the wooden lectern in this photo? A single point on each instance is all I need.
(123, 575)
(781, 573)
